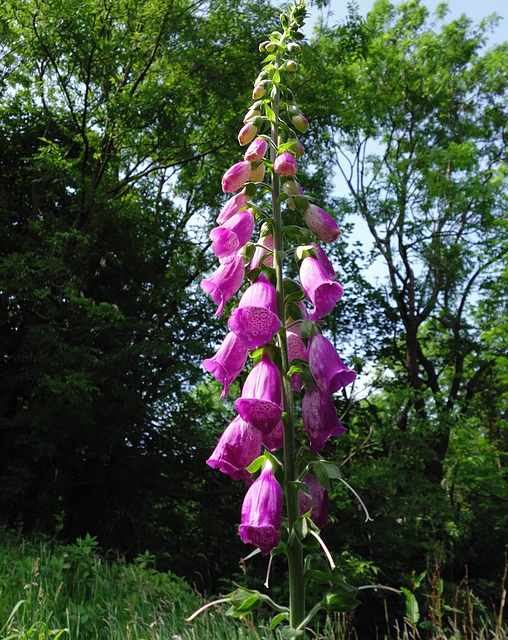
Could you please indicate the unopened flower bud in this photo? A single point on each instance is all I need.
(292, 188)
(290, 65)
(300, 122)
(247, 133)
(256, 150)
(271, 47)
(322, 225)
(258, 174)
(285, 165)
(251, 114)
(296, 148)
(259, 90)
(236, 176)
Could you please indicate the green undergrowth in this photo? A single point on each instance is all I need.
(72, 591)
(50, 590)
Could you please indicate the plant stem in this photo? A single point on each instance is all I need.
(295, 550)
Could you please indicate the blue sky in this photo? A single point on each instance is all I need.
(472, 8)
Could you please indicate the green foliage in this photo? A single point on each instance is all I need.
(113, 121)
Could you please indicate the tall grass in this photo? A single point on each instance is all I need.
(50, 591)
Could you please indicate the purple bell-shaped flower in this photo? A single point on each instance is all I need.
(261, 401)
(233, 234)
(235, 204)
(227, 363)
(317, 499)
(255, 320)
(322, 225)
(320, 419)
(322, 292)
(296, 349)
(275, 439)
(225, 281)
(238, 447)
(262, 512)
(328, 370)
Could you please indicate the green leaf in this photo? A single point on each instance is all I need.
(280, 617)
(256, 464)
(269, 112)
(342, 598)
(412, 608)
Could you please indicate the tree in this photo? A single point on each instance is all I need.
(115, 121)
(414, 117)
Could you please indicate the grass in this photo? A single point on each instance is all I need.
(50, 591)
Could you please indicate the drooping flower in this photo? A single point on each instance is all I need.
(324, 261)
(233, 234)
(247, 133)
(262, 512)
(322, 225)
(261, 401)
(251, 114)
(227, 363)
(285, 165)
(320, 419)
(234, 205)
(236, 176)
(258, 174)
(259, 90)
(328, 370)
(238, 447)
(317, 499)
(265, 250)
(322, 292)
(296, 349)
(225, 281)
(256, 150)
(275, 439)
(255, 320)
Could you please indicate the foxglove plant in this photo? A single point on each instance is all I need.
(282, 335)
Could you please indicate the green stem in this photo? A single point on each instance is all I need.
(295, 550)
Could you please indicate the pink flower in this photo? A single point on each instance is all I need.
(255, 320)
(322, 292)
(328, 370)
(275, 439)
(236, 176)
(296, 349)
(260, 252)
(258, 174)
(232, 235)
(262, 512)
(320, 419)
(259, 91)
(317, 499)
(225, 281)
(285, 165)
(234, 205)
(256, 150)
(238, 447)
(323, 260)
(247, 134)
(227, 363)
(251, 114)
(322, 225)
(261, 399)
